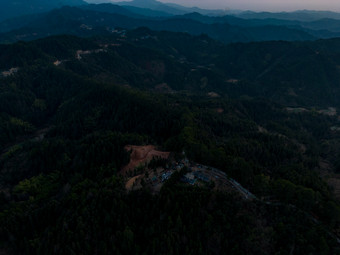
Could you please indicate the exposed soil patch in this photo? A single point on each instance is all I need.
(213, 95)
(296, 110)
(163, 87)
(129, 184)
(141, 155)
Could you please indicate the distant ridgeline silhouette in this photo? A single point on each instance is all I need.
(10, 9)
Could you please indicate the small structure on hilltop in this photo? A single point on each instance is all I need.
(166, 176)
(189, 178)
(201, 176)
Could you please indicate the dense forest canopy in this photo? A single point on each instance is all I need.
(263, 113)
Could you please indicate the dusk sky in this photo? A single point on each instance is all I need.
(261, 5)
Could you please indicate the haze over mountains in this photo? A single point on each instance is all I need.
(19, 7)
(85, 19)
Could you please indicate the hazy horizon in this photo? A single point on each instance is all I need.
(255, 5)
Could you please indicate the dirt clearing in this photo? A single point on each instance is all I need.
(141, 155)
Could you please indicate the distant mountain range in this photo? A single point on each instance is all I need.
(10, 9)
(170, 8)
(44, 18)
(175, 9)
(15, 8)
(98, 19)
(303, 15)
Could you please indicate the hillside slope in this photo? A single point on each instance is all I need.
(69, 106)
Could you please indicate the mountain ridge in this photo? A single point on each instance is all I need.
(10, 9)
(75, 19)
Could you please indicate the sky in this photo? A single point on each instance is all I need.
(260, 5)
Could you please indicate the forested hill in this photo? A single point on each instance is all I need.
(258, 112)
(294, 74)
